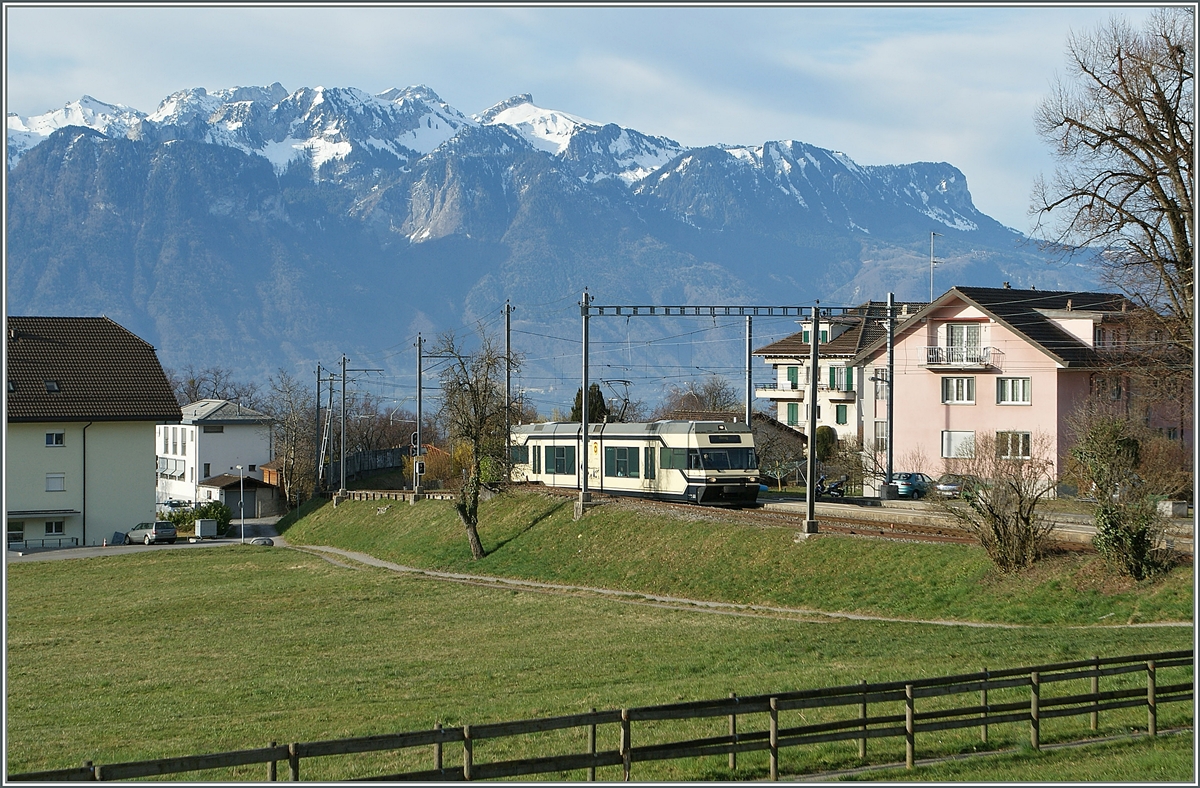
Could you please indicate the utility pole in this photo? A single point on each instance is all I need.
(931, 264)
(584, 495)
(891, 373)
(810, 492)
(417, 456)
(508, 390)
(317, 442)
(749, 373)
(342, 489)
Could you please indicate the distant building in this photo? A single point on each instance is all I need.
(215, 437)
(83, 398)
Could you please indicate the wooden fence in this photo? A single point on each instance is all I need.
(859, 726)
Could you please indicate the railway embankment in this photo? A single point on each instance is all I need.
(1068, 527)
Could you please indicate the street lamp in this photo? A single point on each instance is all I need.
(242, 501)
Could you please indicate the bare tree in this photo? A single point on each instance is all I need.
(294, 410)
(215, 382)
(713, 393)
(1003, 509)
(473, 410)
(1121, 125)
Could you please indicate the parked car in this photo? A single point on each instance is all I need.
(953, 485)
(912, 485)
(151, 533)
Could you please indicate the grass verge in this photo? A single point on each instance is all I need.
(710, 555)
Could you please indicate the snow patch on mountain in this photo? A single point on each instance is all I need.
(111, 120)
(545, 129)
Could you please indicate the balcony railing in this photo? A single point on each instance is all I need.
(958, 356)
(788, 391)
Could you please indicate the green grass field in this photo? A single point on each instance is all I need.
(179, 652)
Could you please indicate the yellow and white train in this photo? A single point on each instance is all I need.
(704, 462)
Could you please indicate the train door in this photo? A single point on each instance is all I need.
(650, 466)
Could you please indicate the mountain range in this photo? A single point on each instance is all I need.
(258, 228)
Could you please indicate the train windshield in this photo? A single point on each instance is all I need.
(728, 459)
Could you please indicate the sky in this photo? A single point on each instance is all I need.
(885, 84)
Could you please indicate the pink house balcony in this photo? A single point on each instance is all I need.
(957, 357)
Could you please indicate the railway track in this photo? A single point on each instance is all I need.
(906, 532)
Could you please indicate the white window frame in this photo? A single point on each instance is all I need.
(881, 435)
(54, 527)
(958, 444)
(56, 482)
(1007, 387)
(1004, 445)
(56, 439)
(958, 390)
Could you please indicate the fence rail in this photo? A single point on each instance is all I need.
(859, 728)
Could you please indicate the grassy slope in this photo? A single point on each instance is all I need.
(710, 556)
(235, 646)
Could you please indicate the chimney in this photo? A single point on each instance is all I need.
(1068, 305)
(1007, 286)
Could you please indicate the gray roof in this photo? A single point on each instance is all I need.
(220, 411)
(99, 372)
(1021, 311)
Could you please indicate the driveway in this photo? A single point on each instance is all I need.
(261, 526)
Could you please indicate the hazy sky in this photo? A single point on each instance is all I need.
(886, 84)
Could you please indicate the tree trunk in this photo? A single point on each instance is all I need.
(468, 512)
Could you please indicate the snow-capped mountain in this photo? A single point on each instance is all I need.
(316, 221)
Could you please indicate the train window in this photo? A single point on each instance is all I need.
(728, 459)
(537, 459)
(649, 462)
(673, 458)
(694, 460)
(564, 460)
(518, 455)
(621, 462)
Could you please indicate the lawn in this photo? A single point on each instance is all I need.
(178, 652)
(710, 555)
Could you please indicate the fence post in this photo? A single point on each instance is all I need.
(1035, 722)
(88, 765)
(910, 744)
(437, 748)
(983, 701)
(1151, 703)
(592, 747)
(733, 734)
(626, 754)
(271, 767)
(294, 762)
(1095, 692)
(774, 740)
(862, 715)
(468, 753)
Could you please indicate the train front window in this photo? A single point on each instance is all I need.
(729, 459)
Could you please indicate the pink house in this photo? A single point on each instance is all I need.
(996, 361)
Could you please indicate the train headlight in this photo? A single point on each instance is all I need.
(712, 479)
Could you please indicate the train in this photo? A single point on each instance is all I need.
(712, 463)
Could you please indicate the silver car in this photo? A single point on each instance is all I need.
(151, 533)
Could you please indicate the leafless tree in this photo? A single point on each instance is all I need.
(473, 409)
(215, 382)
(713, 393)
(1121, 125)
(1003, 510)
(294, 410)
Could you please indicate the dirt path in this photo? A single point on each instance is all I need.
(332, 554)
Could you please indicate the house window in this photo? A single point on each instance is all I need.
(818, 407)
(207, 469)
(881, 436)
(958, 443)
(218, 428)
(165, 437)
(174, 440)
(56, 482)
(793, 414)
(11, 387)
(793, 378)
(54, 527)
(880, 380)
(841, 417)
(183, 442)
(1013, 391)
(16, 531)
(52, 386)
(841, 378)
(621, 462)
(1012, 445)
(253, 468)
(649, 463)
(55, 438)
(808, 335)
(958, 391)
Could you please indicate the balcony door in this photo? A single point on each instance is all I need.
(962, 343)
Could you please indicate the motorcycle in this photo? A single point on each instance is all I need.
(834, 490)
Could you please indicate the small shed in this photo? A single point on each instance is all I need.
(259, 498)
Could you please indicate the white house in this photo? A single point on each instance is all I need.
(215, 437)
(83, 398)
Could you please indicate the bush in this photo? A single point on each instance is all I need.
(209, 510)
(1126, 534)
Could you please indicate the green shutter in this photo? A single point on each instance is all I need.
(833, 378)
(793, 414)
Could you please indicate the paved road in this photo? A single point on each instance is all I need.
(262, 526)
